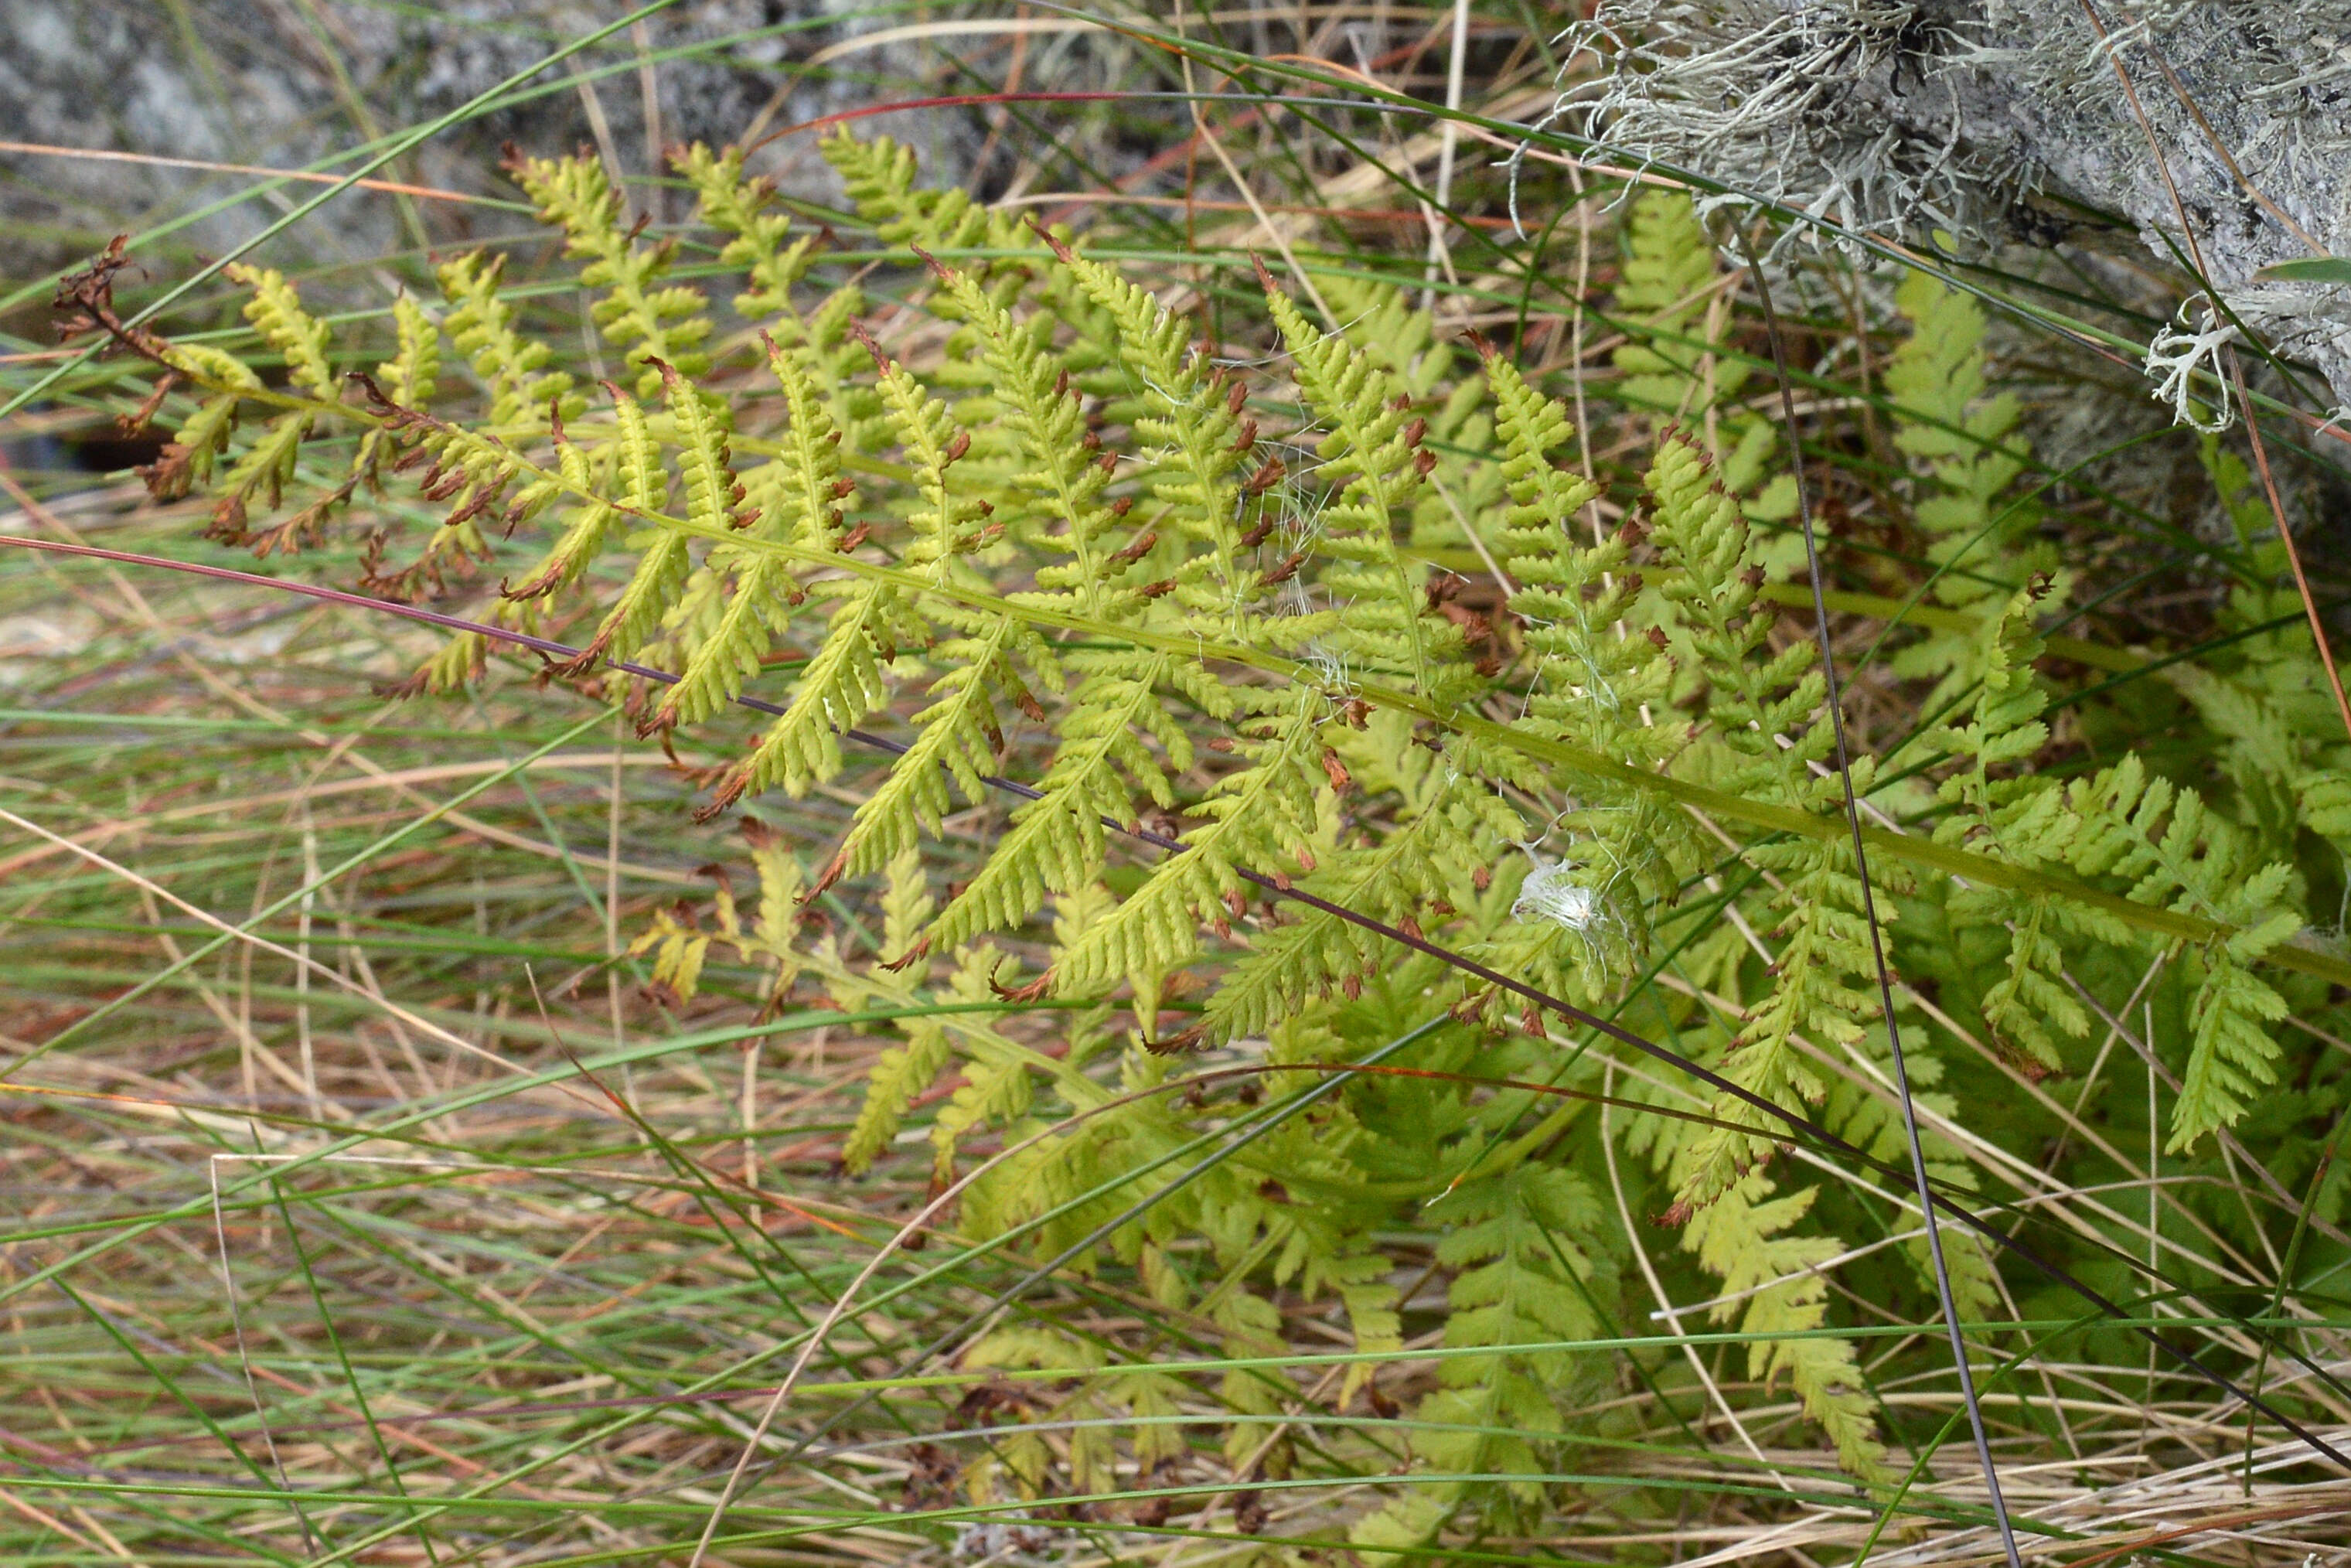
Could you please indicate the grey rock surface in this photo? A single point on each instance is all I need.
(2224, 138)
(284, 83)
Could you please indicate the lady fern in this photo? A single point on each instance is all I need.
(1079, 554)
(654, 323)
(1677, 364)
(1980, 545)
(1767, 736)
(261, 472)
(525, 396)
(1373, 460)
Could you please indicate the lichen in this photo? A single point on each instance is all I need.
(1998, 120)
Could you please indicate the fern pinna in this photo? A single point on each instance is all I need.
(1357, 630)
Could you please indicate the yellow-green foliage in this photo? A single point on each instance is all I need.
(1968, 455)
(1769, 732)
(1067, 552)
(654, 323)
(1675, 298)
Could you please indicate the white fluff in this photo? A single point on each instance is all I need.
(1549, 895)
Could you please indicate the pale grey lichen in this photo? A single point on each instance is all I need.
(1987, 119)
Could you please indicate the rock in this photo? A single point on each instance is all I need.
(1998, 120)
(284, 83)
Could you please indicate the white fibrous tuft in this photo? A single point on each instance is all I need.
(1551, 893)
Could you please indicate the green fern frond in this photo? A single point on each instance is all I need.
(1509, 1237)
(745, 210)
(679, 951)
(2178, 853)
(1055, 842)
(2202, 863)
(651, 322)
(904, 1072)
(840, 683)
(1512, 1239)
(662, 570)
(1374, 461)
(879, 178)
(951, 522)
(748, 593)
(1256, 815)
(2232, 1059)
(1668, 270)
(899, 1075)
(587, 527)
(299, 338)
(1970, 452)
(1743, 1239)
(1771, 1276)
(1463, 485)
(186, 460)
(1768, 733)
(2006, 727)
(961, 732)
(1068, 555)
(1756, 696)
(409, 378)
(259, 476)
(2020, 818)
(524, 395)
(771, 936)
(997, 1090)
(2029, 1006)
(1196, 473)
(960, 737)
(2323, 796)
(1673, 291)
(821, 339)
(1391, 881)
(721, 627)
(721, 656)
(1598, 682)
(1863, 1109)
(1066, 473)
(704, 461)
